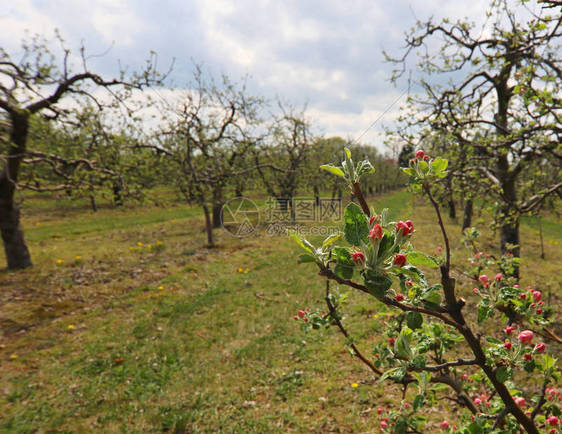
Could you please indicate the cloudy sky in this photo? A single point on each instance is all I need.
(323, 53)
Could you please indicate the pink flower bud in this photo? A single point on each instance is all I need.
(552, 421)
(399, 297)
(539, 348)
(426, 157)
(516, 286)
(499, 277)
(406, 405)
(374, 219)
(400, 260)
(390, 341)
(402, 228)
(380, 410)
(483, 278)
(383, 424)
(376, 232)
(464, 377)
(444, 424)
(301, 313)
(358, 258)
(477, 401)
(295, 317)
(539, 310)
(520, 401)
(507, 345)
(305, 319)
(533, 304)
(420, 154)
(472, 263)
(509, 329)
(526, 336)
(475, 290)
(528, 356)
(537, 295)
(410, 225)
(523, 296)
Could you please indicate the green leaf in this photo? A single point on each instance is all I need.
(503, 373)
(549, 362)
(474, 428)
(414, 320)
(402, 344)
(333, 169)
(331, 239)
(386, 244)
(484, 310)
(423, 166)
(421, 259)
(493, 341)
(356, 227)
(377, 283)
(409, 171)
(433, 296)
(347, 152)
(390, 373)
(412, 272)
(365, 167)
(400, 426)
(419, 401)
(297, 238)
(344, 265)
(304, 258)
(439, 164)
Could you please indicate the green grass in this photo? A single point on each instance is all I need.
(180, 338)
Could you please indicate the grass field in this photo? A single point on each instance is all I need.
(126, 323)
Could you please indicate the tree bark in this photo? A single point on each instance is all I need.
(208, 225)
(467, 218)
(217, 208)
(17, 253)
(452, 209)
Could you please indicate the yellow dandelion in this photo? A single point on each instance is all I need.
(78, 257)
(70, 326)
(376, 315)
(139, 244)
(355, 385)
(160, 287)
(246, 271)
(149, 246)
(240, 270)
(38, 224)
(159, 243)
(59, 261)
(14, 356)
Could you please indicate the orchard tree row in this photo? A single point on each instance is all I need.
(67, 130)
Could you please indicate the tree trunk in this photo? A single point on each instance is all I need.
(452, 209)
(316, 195)
(510, 235)
(208, 225)
(117, 194)
(467, 219)
(217, 208)
(17, 253)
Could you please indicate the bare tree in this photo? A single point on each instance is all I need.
(34, 84)
(502, 100)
